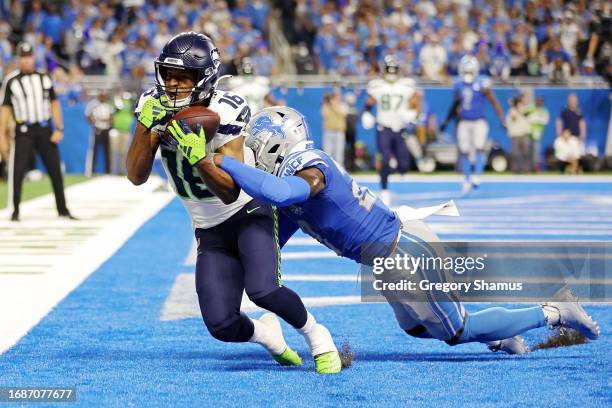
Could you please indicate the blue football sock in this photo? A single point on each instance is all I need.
(498, 323)
(480, 163)
(466, 166)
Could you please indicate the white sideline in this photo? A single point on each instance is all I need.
(34, 280)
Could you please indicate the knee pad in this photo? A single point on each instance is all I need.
(240, 330)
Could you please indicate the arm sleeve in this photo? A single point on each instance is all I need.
(277, 191)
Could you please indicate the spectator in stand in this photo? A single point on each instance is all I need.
(305, 63)
(571, 120)
(162, 36)
(242, 11)
(112, 57)
(598, 53)
(325, 44)
(557, 62)
(500, 61)
(519, 130)
(259, 12)
(455, 53)
(36, 16)
(538, 118)
(205, 24)
(569, 33)
(334, 113)
(6, 49)
(433, 59)
(263, 61)
(53, 28)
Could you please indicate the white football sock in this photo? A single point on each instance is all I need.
(264, 335)
(317, 337)
(551, 315)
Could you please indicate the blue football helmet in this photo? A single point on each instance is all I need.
(192, 52)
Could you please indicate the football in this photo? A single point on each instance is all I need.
(199, 115)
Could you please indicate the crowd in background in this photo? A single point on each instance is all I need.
(122, 37)
(552, 38)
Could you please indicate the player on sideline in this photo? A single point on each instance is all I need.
(255, 88)
(470, 91)
(390, 94)
(316, 195)
(237, 235)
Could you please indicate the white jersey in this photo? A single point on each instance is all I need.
(392, 101)
(253, 88)
(206, 209)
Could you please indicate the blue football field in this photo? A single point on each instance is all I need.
(122, 339)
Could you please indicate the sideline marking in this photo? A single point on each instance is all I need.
(26, 298)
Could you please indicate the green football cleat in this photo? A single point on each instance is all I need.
(328, 363)
(288, 358)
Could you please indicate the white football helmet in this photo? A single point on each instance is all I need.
(469, 68)
(274, 133)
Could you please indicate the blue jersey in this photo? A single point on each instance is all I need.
(344, 217)
(472, 97)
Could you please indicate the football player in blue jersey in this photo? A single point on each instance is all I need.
(471, 91)
(237, 235)
(315, 194)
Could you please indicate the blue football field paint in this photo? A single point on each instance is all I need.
(107, 340)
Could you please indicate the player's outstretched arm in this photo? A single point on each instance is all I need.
(141, 154)
(277, 191)
(217, 180)
(452, 113)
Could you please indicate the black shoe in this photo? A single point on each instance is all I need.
(68, 216)
(15, 216)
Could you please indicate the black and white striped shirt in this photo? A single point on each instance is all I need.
(29, 95)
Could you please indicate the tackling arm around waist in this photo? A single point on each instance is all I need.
(278, 191)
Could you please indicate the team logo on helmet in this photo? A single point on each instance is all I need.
(216, 57)
(265, 123)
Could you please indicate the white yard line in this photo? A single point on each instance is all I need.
(513, 178)
(34, 280)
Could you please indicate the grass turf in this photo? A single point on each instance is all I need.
(33, 189)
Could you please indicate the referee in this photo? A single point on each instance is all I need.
(30, 96)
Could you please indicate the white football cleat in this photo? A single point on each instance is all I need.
(572, 315)
(513, 345)
(320, 341)
(475, 182)
(385, 197)
(466, 188)
(270, 320)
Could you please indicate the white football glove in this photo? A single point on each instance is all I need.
(367, 120)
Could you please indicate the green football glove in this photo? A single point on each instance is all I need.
(191, 143)
(153, 113)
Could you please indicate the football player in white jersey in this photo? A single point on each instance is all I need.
(255, 88)
(390, 94)
(238, 247)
